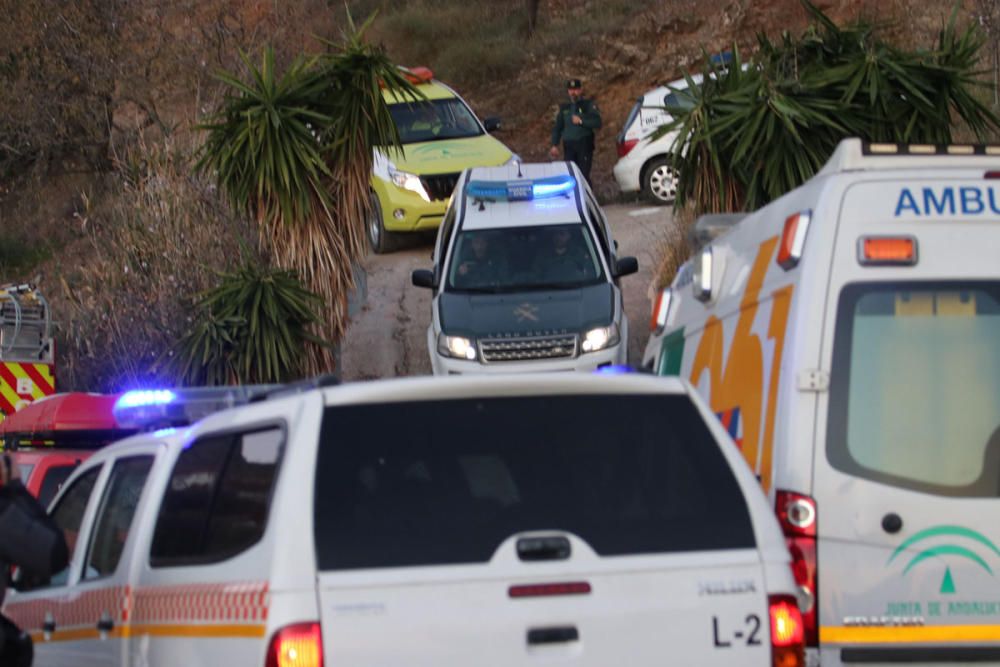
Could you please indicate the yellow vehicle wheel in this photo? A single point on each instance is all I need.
(381, 240)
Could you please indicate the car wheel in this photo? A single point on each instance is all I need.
(381, 240)
(659, 182)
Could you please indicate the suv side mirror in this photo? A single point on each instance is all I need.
(423, 278)
(626, 266)
(492, 124)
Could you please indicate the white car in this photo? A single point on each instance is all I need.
(525, 275)
(517, 520)
(643, 164)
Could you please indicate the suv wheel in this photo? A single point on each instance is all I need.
(381, 240)
(659, 182)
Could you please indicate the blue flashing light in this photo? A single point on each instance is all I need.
(144, 397)
(553, 187)
(615, 369)
(522, 190)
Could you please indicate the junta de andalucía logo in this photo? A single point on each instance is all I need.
(962, 543)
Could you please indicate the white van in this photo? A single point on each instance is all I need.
(518, 520)
(644, 164)
(848, 337)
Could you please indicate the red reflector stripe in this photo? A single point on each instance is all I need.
(542, 590)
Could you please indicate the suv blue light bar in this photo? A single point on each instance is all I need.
(148, 409)
(522, 190)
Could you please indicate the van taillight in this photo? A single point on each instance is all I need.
(787, 632)
(625, 146)
(299, 645)
(797, 516)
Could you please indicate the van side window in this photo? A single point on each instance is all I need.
(68, 515)
(114, 519)
(217, 499)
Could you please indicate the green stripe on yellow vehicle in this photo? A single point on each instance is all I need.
(440, 137)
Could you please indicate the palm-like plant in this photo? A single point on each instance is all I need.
(251, 328)
(752, 133)
(295, 152)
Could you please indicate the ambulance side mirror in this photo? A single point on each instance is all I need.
(492, 124)
(626, 266)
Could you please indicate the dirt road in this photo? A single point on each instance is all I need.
(388, 337)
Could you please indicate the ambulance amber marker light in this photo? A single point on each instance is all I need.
(660, 310)
(793, 239)
(888, 251)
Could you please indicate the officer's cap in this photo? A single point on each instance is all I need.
(573, 83)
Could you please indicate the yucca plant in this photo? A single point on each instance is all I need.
(756, 131)
(294, 150)
(251, 328)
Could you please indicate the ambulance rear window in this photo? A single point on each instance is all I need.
(915, 388)
(445, 482)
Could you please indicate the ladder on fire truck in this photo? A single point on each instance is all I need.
(27, 348)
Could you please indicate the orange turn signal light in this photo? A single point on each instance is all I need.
(887, 251)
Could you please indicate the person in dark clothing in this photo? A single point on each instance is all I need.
(30, 540)
(575, 124)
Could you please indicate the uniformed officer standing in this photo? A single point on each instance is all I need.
(575, 124)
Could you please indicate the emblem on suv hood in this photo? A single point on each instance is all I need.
(526, 311)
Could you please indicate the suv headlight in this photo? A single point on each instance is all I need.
(408, 181)
(600, 338)
(457, 347)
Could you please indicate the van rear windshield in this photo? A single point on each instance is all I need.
(915, 389)
(442, 482)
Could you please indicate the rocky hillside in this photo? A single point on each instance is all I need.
(97, 200)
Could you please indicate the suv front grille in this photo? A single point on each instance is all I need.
(528, 349)
(439, 186)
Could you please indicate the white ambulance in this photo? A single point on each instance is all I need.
(848, 337)
(497, 521)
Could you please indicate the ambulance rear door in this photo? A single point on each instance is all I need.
(907, 462)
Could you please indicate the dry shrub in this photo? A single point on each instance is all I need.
(158, 243)
(675, 248)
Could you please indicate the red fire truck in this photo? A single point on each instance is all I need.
(27, 348)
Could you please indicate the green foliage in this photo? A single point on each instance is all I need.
(252, 328)
(262, 142)
(753, 132)
(294, 150)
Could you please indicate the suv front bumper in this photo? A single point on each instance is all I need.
(583, 363)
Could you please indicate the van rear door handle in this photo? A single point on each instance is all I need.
(556, 635)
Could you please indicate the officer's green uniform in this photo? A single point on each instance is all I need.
(577, 140)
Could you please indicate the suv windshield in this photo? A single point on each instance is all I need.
(448, 481)
(915, 389)
(435, 119)
(519, 259)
